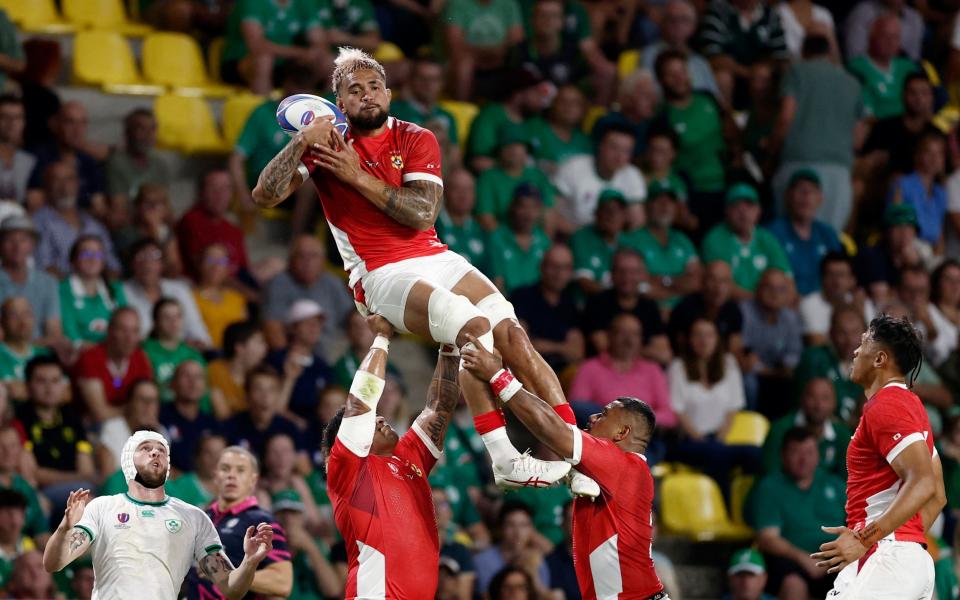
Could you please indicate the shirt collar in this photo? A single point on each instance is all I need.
(249, 502)
(829, 433)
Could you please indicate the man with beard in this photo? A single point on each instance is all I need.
(381, 193)
(143, 541)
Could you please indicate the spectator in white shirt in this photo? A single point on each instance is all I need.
(838, 288)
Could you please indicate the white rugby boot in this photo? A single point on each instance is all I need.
(527, 471)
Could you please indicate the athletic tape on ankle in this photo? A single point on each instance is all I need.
(367, 387)
(381, 343)
(505, 385)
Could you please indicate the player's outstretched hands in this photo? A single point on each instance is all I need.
(481, 363)
(343, 162)
(257, 543)
(380, 326)
(835, 555)
(76, 503)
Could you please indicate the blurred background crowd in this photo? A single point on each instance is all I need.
(700, 203)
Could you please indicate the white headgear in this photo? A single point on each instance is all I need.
(126, 456)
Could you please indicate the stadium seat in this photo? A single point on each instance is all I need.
(691, 505)
(236, 110)
(102, 14)
(104, 59)
(748, 429)
(186, 124)
(214, 53)
(627, 63)
(463, 113)
(176, 61)
(590, 119)
(36, 16)
(739, 490)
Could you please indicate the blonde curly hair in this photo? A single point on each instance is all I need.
(351, 60)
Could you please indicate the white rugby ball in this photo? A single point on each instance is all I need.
(297, 111)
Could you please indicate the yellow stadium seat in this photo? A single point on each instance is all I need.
(104, 59)
(236, 110)
(102, 14)
(691, 505)
(176, 61)
(739, 490)
(627, 63)
(593, 114)
(463, 113)
(36, 16)
(214, 53)
(748, 429)
(186, 123)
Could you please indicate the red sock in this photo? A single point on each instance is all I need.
(489, 421)
(566, 413)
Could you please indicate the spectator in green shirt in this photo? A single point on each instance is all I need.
(670, 256)
(496, 187)
(87, 297)
(594, 245)
(882, 71)
(13, 542)
(262, 35)
(517, 247)
(479, 33)
(350, 23)
(261, 139)
(198, 487)
(832, 361)
(136, 163)
(455, 225)
(818, 407)
(420, 104)
(314, 576)
(17, 348)
(560, 135)
(522, 99)
(359, 338)
(12, 59)
(787, 509)
(166, 347)
(748, 250)
(11, 453)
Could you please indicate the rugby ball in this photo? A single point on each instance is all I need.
(297, 111)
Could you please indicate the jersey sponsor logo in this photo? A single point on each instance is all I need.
(173, 525)
(147, 513)
(122, 520)
(396, 160)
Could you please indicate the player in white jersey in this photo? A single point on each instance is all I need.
(143, 541)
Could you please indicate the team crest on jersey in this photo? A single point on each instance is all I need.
(173, 525)
(396, 160)
(416, 469)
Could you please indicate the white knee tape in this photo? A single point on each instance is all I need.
(447, 313)
(497, 309)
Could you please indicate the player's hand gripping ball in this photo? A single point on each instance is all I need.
(298, 111)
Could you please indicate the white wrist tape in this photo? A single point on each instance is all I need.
(381, 343)
(366, 388)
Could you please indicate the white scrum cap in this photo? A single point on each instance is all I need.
(126, 456)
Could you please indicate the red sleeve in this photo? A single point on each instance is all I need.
(343, 469)
(415, 450)
(422, 159)
(603, 461)
(895, 422)
(86, 367)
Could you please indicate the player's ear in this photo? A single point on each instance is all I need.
(622, 433)
(389, 94)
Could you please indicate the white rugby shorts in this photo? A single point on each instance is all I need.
(896, 571)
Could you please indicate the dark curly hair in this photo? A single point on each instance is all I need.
(903, 341)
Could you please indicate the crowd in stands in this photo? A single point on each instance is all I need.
(698, 203)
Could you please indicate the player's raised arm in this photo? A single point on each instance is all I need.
(415, 204)
(234, 583)
(69, 541)
(442, 397)
(285, 171)
(539, 417)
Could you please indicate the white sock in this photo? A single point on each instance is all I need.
(499, 447)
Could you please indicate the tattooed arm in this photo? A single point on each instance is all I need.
(234, 583)
(416, 204)
(285, 173)
(442, 397)
(69, 541)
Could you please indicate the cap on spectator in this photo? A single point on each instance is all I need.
(387, 53)
(303, 309)
(513, 134)
(900, 214)
(450, 564)
(287, 500)
(804, 174)
(527, 190)
(741, 192)
(660, 187)
(611, 195)
(747, 560)
(18, 223)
